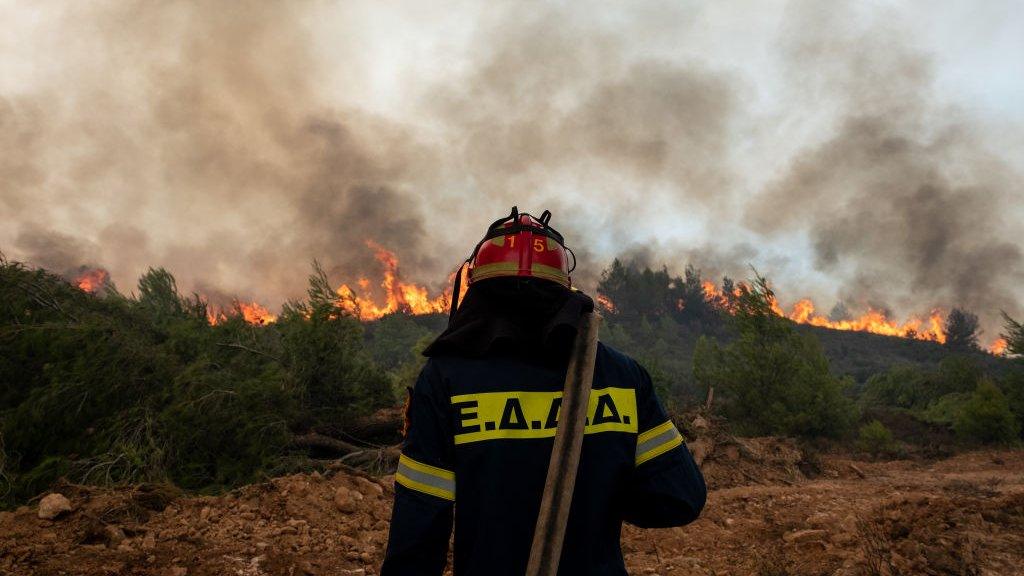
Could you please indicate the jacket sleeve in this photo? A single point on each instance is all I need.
(666, 487)
(421, 520)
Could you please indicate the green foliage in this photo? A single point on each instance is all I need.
(772, 379)
(114, 389)
(945, 410)
(903, 386)
(962, 330)
(941, 396)
(957, 373)
(876, 439)
(658, 319)
(391, 338)
(986, 417)
(1012, 385)
(1014, 335)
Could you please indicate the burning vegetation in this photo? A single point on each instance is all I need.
(92, 280)
(931, 328)
(252, 312)
(393, 295)
(399, 296)
(873, 321)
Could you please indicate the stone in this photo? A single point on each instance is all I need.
(53, 505)
(345, 499)
(371, 488)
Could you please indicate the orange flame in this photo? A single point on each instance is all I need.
(718, 298)
(874, 321)
(255, 314)
(252, 312)
(398, 296)
(605, 302)
(998, 347)
(92, 280)
(214, 317)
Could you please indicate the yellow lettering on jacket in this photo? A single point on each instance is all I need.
(521, 414)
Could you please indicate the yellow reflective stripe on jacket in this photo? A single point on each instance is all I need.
(425, 478)
(657, 441)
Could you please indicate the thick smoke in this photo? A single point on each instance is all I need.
(191, 135)
(907, 204)
(210, 138)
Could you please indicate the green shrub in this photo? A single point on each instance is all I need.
(772, 379)
(946, 409)
(112, 389)
(900, 387)
(958, 373)
(986, 417)
(876, 439)
(1012, 385)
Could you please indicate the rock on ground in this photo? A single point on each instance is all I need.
(53, 505)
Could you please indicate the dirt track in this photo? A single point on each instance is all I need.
(964, 515)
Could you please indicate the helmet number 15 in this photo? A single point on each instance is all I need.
(538, 243)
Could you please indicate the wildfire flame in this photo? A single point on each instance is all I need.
(410, 298)
(252, 312)
(398, 296)
(874, 321)
(92, 280)
(721, 300)
(605, 302)
(998, 347)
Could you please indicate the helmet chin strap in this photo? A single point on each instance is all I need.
(455, 291)
(512, 217)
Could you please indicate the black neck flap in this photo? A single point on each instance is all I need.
(521, 316)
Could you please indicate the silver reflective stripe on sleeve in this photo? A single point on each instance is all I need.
(425, 478)
(657, 441)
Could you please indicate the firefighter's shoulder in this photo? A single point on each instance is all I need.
(614, 364)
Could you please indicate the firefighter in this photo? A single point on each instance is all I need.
(482, 417)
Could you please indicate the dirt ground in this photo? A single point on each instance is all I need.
(770, 513)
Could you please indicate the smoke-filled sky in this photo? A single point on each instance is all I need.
(869, 152)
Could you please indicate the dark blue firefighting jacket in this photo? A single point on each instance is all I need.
(477, 448)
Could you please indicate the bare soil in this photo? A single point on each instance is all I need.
(772, 511)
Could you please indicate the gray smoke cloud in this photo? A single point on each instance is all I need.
(210, 138)
(907, 202)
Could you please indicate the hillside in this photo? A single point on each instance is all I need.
(862, 354)
(856, 354)
(105, 389)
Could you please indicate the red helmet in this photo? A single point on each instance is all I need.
(519, 245)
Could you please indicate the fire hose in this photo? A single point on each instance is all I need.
(560, 483)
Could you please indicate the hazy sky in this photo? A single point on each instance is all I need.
(866, 151)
